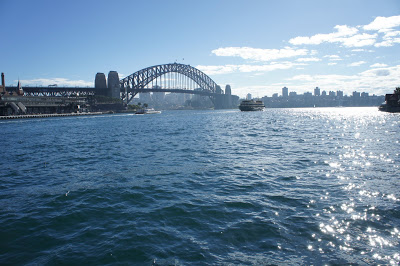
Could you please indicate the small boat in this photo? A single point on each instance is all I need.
(144, 111)
(251, 105)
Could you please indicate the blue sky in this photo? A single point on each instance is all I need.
(255, 46)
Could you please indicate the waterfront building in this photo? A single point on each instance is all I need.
(334, 99)
(317, 91)
(228, 90)
(285, 92)
(228, 93)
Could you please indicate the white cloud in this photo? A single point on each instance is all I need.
(351, 37)
(332, 64)
(302, 77)
(334, 78)
(259, 54)
(59, 81)
(345, 36)
(383, 24)
(389, 39)
(384, 44)
(391, 34)
(342, 31)
(227, 69)
(382, 72)
(362, 50)
(257, 91)
(358, 40)
(215, 70)
(388, 42)
(309, 59)
(333, 57)
(359, 63)
(375, 81)
(378, 65)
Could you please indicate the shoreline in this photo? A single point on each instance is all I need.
(50, 115)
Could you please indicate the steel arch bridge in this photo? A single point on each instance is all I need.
(139, 81)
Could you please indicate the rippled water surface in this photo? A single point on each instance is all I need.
(283, 186)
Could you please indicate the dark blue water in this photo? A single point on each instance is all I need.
(284, 186)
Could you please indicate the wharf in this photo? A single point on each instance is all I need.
(49, 115)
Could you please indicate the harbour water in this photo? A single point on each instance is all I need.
(283, 186)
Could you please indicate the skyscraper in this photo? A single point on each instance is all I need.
(228, 90)
(228, 96)
(317, 91)
(285, 92)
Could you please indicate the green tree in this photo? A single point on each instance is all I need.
(397, 90)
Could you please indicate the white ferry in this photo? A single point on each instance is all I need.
(251, 105)
(147, 111)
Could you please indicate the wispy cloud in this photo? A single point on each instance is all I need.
(309, 59)
(226, 69)
(359, 63)
(362, 50)
(258, 54)
(58, 81)
(378, 65)
(383, 24)
(333, 57)
(344, 35)
(352, 37)
(389, 39)
(342, 31)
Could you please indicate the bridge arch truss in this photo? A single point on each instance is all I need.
(139, 81)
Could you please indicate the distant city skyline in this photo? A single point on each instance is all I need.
(256, 47)
(316, 92)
